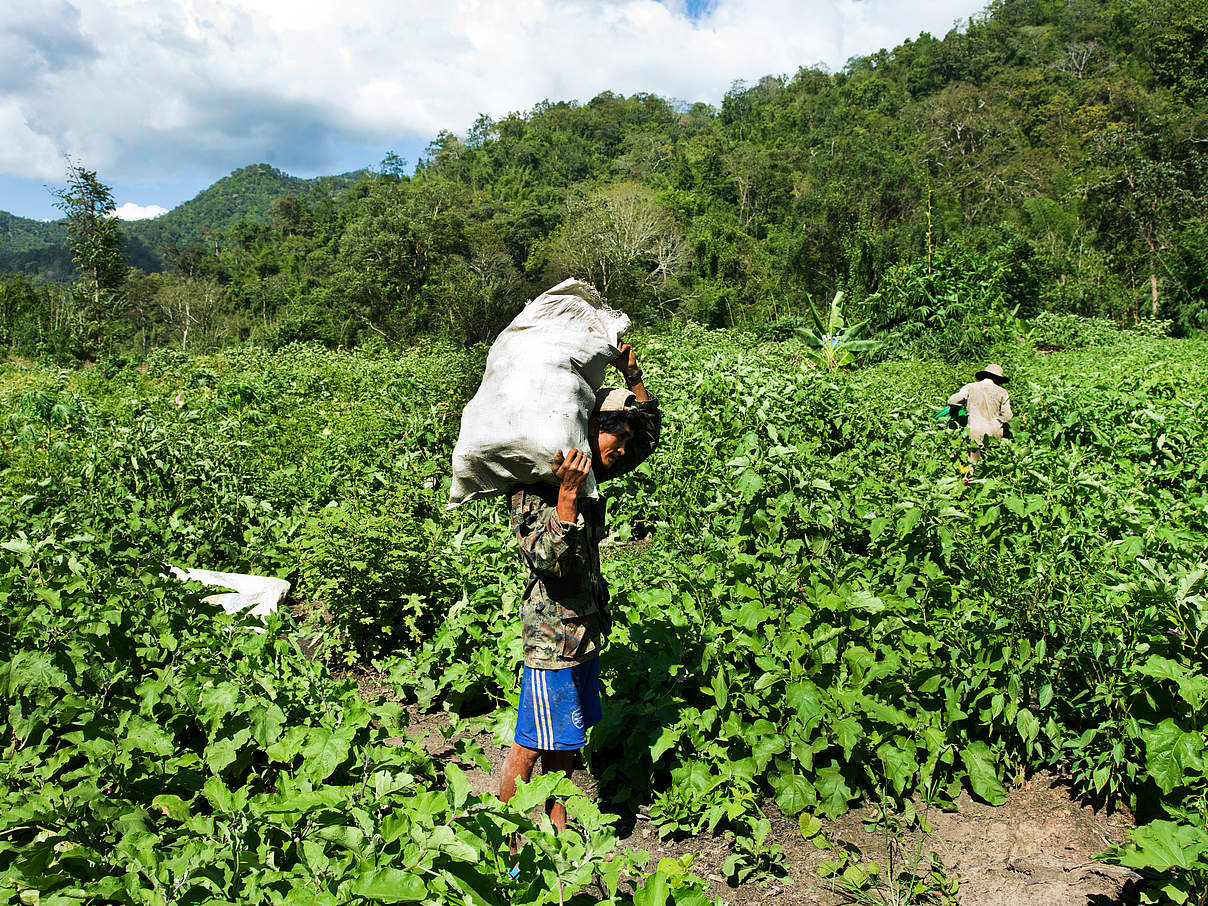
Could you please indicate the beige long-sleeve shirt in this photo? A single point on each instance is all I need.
(988, 406)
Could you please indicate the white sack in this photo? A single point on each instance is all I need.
(538, 392)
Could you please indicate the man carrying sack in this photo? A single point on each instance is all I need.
(564, 610)
(987, 404)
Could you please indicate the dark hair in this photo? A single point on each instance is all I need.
(616, 420)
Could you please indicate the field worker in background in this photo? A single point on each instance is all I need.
(987, 404)
(564, 611)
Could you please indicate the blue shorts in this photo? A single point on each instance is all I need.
(557, 707)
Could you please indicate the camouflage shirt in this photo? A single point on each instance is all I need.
(564, 615)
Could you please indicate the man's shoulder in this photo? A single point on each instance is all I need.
(525, 498)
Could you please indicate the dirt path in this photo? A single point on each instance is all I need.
(1035, 850)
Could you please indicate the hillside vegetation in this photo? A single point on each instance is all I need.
(35, 248)
(816, 604)
(247, 195)
(1049, 154)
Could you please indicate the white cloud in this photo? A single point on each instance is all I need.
(130, 211)
(23, 150)
(143, 89)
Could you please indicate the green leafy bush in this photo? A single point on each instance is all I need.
(379, 574)
(157, 749)
(951, 307)
(1050, 330)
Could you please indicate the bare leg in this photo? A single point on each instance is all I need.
(518, 765)
(557, 761)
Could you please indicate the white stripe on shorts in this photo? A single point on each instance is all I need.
(534, 676)
(549, 719)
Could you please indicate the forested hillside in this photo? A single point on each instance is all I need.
(1044, 156)
(34, 247)
(247, 195)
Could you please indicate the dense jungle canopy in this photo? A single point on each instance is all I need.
(1046, 155)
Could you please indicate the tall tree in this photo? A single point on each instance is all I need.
(96, 240)
(622, 238)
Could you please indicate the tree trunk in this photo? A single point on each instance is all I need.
(1153, 274)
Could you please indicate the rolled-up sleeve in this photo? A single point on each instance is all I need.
(551, 547)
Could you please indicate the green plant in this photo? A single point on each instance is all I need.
(751, 856)
(1172, 856)
(672, 882)
(818, 611)
(835, 345)
(911, 876)
(1051, 330)
(378, 575)
(156, 748)
(950, 307)
(46, 418)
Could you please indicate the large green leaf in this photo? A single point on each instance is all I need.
(458, 786)
(900, 765)
(667, 740)
(476, 886)
(220, 753)
(833, 791)
(1161, 846)
(793, 793)
(267, 722)
(217, 702)
(654, 891)
(445, 839)
(721, 693)
(324, 751)
(33, 673)
(983, 773)
(146, 736)
(767, 746)
(390, 885)
(804, 698)
(1193, 687)
(172, 806)
(1027, 725)
(749, 484)
(1169, 752)
(847, 732)
(540, 788)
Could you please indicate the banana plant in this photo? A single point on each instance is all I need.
(834, 345)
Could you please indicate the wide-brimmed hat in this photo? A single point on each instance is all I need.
(613, 399)
(993, 372)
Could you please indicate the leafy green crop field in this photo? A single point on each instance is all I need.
(812, 609)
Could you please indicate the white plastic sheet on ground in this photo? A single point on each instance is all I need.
(260, 595)
(538, 392)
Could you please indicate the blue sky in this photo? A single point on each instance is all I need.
(698, 8)
(164, 97)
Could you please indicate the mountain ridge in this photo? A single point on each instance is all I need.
(41, 249)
